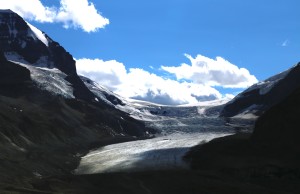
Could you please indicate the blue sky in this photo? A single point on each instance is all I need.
(260, 36)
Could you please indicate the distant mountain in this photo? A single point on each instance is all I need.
(263, 95)
(165, 119)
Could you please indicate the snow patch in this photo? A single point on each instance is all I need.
(38, 34)
(201, 111)
(43, 61)
(267, 85)
(263, 87)
(52, 80)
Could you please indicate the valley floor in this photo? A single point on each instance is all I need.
(155, 180)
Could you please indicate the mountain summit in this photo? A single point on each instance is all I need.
(20, 39)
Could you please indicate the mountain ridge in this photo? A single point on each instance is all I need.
(261, 96)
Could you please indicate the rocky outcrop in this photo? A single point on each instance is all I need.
(263, 95)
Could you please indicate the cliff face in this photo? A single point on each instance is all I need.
(34, 46)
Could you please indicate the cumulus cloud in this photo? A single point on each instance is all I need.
(71, 13)
(140, 84)
(195, 82)
(212, 72)
(108, 73)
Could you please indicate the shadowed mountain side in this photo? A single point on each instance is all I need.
(17, 75)
(280, 126)
(270, 157)
(44, 134)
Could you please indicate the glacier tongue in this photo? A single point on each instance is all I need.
(163, 152)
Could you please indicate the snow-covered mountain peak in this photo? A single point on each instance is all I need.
(12, 22)
(38, 34)
(33, 45)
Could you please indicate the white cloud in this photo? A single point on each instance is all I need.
(108, 73)
(140, 84)
(212, 72)
(72, 13)
(195, 82)
(80, 13)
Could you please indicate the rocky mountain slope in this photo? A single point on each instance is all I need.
(48, 117)
(270, 156)
(263, 95)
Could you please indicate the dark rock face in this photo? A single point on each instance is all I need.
(279, 127)
(17, 36)
(18, 74)
(279, 90)
(92, 86)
